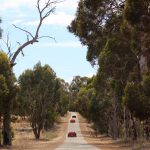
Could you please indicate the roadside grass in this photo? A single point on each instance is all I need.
(24, 138)
(51, 133)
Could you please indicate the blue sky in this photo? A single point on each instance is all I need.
(66, 56)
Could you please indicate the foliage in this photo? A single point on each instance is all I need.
(3, 91)
(7, 94)
(133, 11)
(74, 89)
(61, 95)
(39, 88)
(137, 101)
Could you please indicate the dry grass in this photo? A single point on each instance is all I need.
(106, 143)
(25, 140)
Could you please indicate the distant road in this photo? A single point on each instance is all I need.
(75, 143)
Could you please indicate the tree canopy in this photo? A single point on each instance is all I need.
(42, 93)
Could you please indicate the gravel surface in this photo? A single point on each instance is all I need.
(75, 143)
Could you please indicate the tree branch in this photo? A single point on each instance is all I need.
(44, 12)
(23, 30)
(47, 37)
(8, 45)
(20, 50)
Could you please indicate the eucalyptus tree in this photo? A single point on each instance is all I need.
(84, 97)
(74, 89)
(38, 87)
(61, 96)
(137, 19)
(3, 85)
(7, 88)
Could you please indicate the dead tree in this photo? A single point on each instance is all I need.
(44, 12)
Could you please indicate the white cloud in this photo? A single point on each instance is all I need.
(59, 18)
(69, 80)
(13, 4)
(65, 44)
(18, 21)
(69, 4)
(8, 5)
(89, 75)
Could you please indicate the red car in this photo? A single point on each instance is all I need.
(74, 116)
(72, 134)
(72, 121)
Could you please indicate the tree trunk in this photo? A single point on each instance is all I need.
(7, 138)
(134, 132)
(36, 131)
(147, 129)
(115, 126)
(125, 126)
(0, 130)
(134, 129)
(139, 69)
(114, 118)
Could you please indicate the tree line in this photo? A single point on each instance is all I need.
(117, 35)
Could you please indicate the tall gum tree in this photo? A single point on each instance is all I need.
(137, 16)
(7, 94)
(38, 87)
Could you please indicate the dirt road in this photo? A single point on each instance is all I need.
(75, 143)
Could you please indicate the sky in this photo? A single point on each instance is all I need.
(66, 55)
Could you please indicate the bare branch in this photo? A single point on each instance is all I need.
(8, 45)
(47, 37)
(46, 6)
(20, 48)
(49, 12)
(23, 30)
(38, 7)
(19, 43)
(22, 53)
(44, 12)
